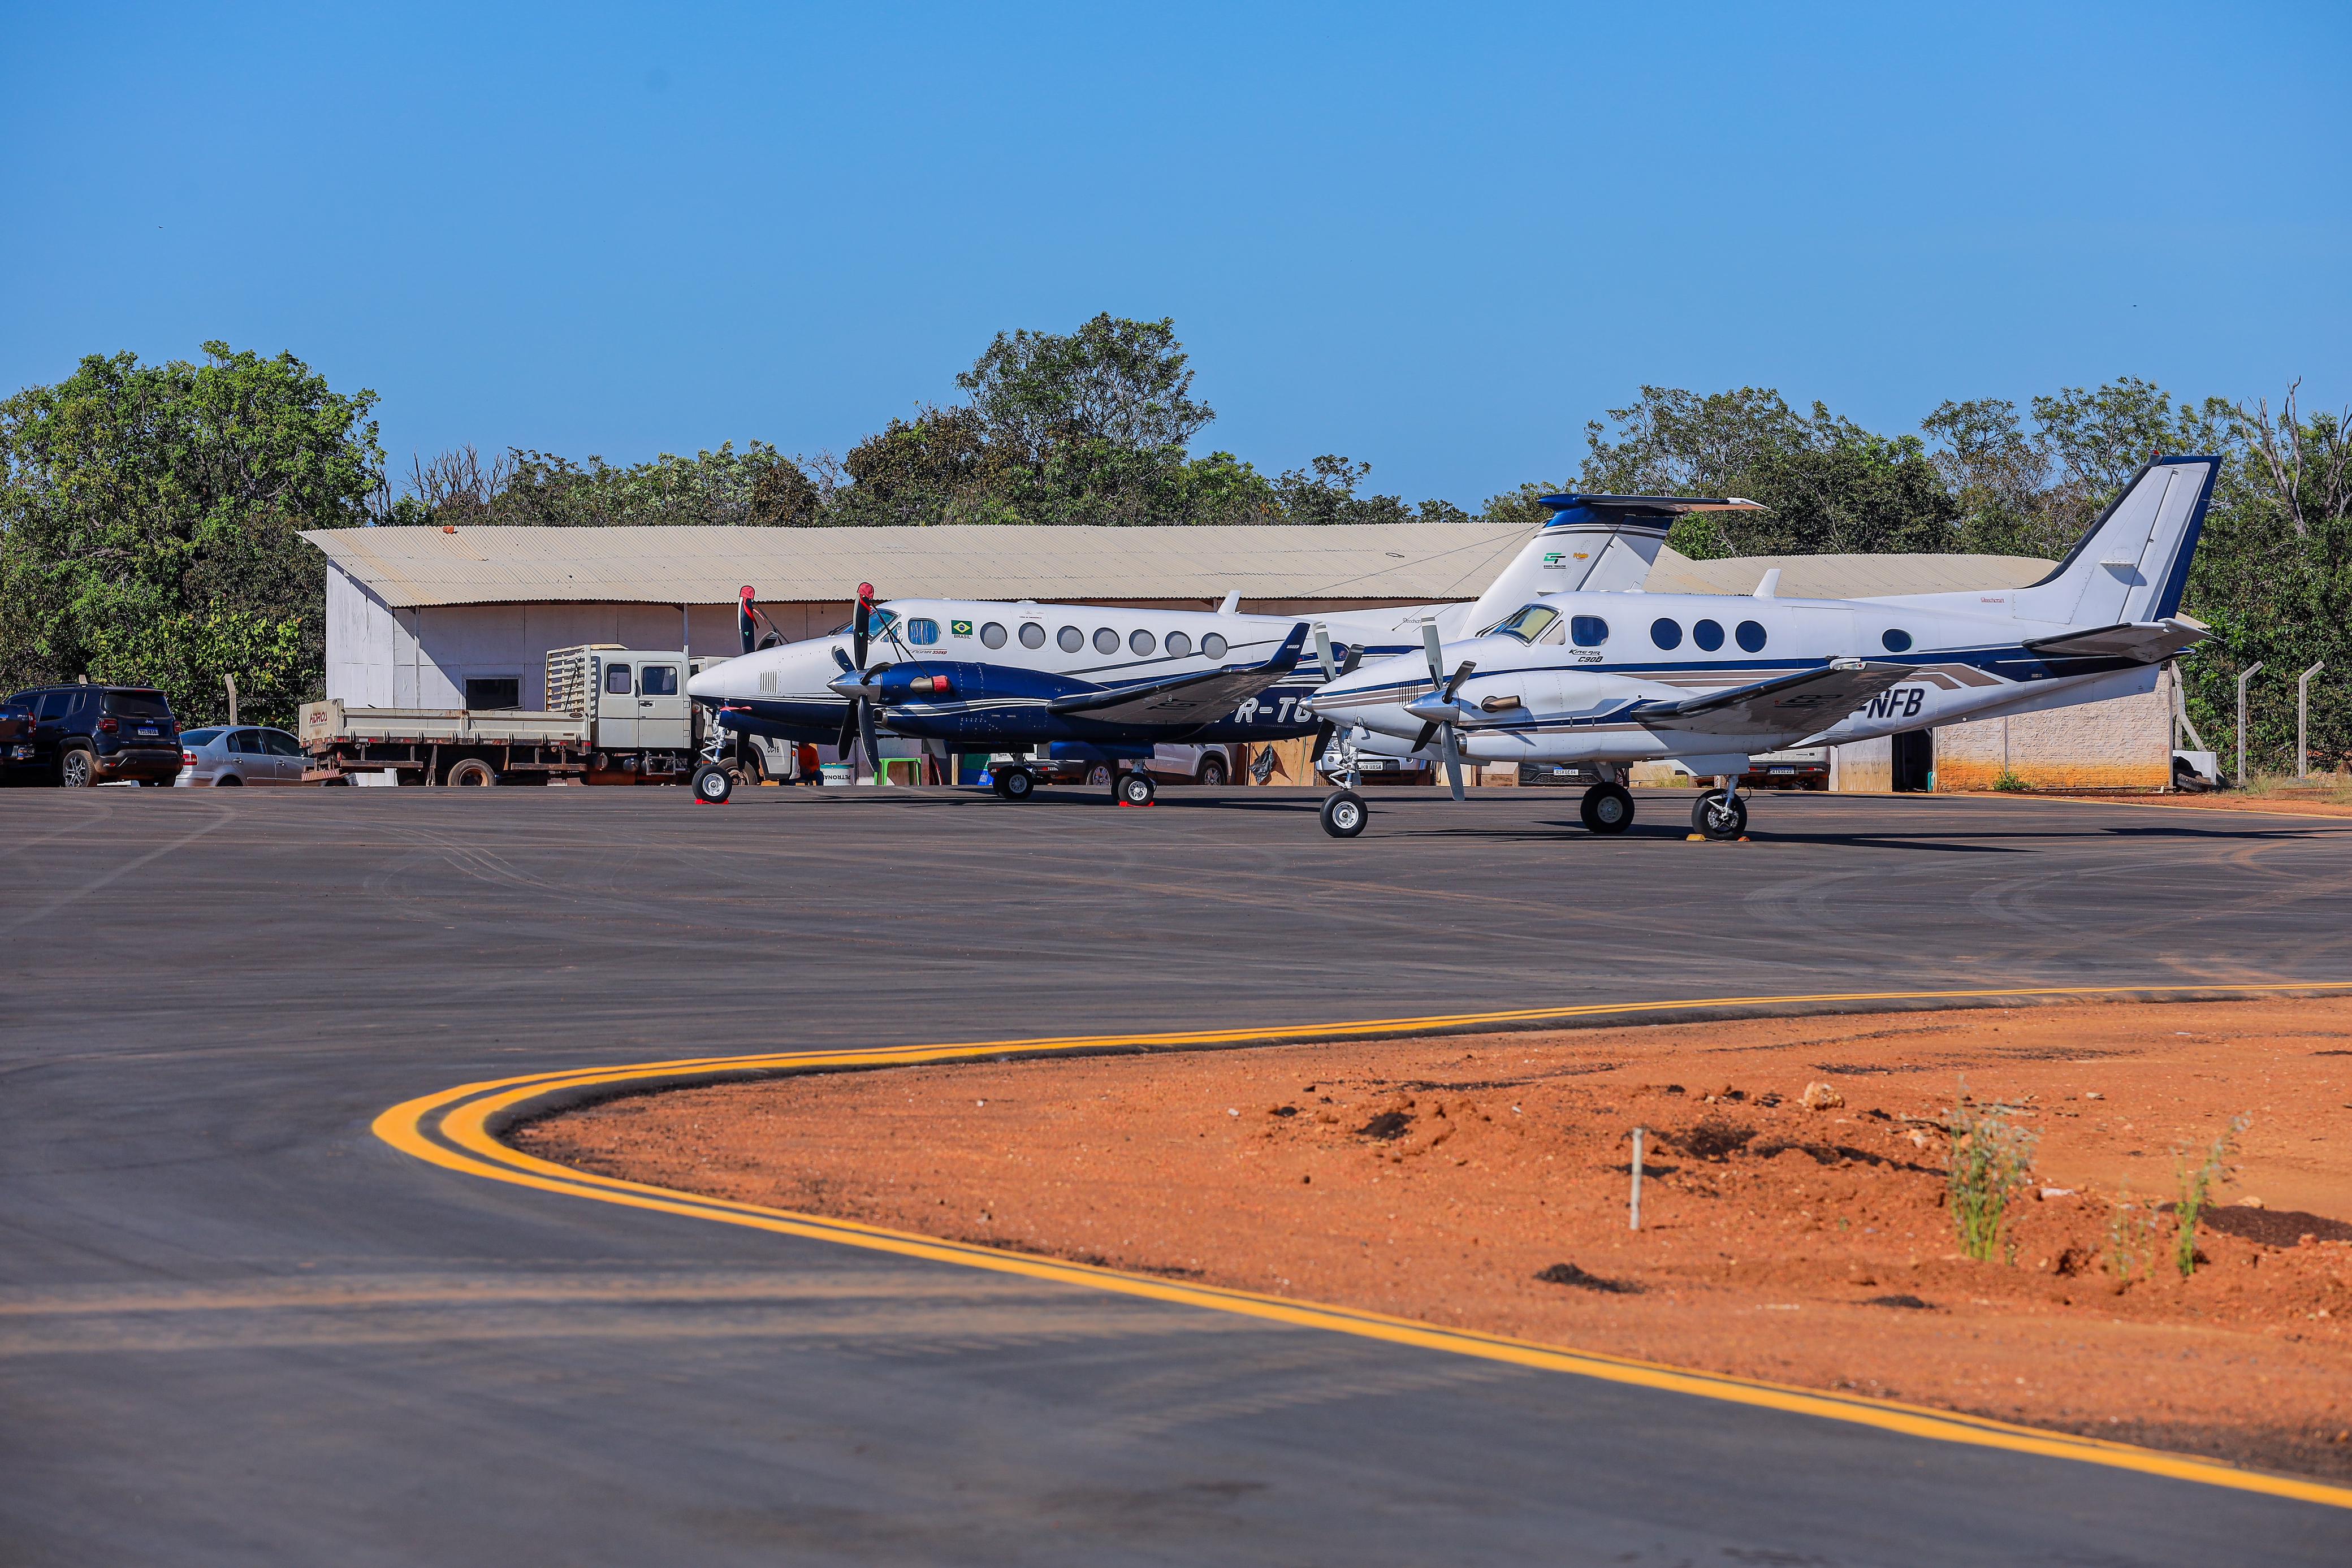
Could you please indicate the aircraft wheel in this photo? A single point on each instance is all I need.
(1016, 783)
(713, 782)
(1718, 816)
(1607, 809)
(1136, 790)
(1344, 814)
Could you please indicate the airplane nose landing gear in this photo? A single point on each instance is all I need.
(1721, 814)
(1607, 809)
(1135, 788)
(1344, 814)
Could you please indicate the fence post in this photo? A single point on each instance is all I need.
(2303, 719)
(230, 681)
(1633, 1211)
(2250, 672)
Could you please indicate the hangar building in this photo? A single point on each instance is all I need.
(446, 618)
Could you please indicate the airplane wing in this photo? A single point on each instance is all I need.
(2148, 642)
(1807, 701)
(1187, 701)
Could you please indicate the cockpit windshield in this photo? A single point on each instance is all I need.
(878, 624)
(1529, 625)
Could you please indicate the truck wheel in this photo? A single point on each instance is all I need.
(713, 782)
(1016, 784)
(77, 769)
(1212, 772)
(1101, 773)
(470, 770)
(1344, 815)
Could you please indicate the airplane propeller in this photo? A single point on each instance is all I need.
(1332, 671)
(1439, 709)
(857, 682)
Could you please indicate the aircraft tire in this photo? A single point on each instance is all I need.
(1715, 817)
(1136, 790)
(1607, 809)
(1016, 783)
(1344, 814)
(713, 782)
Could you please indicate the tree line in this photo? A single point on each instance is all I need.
(149, 513)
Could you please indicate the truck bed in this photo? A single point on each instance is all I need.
(328, 722)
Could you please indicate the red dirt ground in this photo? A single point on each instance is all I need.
(1481, 1182)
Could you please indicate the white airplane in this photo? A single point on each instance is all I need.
(1709, 680)
(987, 675)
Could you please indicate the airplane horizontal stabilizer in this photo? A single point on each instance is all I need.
(1807, 701)
(1186, 702)
(2147, 642)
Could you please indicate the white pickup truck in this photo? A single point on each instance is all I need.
(613, 716)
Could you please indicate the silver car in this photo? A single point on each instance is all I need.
(228, 756)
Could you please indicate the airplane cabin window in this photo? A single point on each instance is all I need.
(1212, 646)
(1071, 639)
(993, 635)
(1529, 624)
(1896, 641)
(1751, 636)
(1589, 630)
(1141, 642)
(1105, 640)
(1179, 646)
(1707, 635)
(1666, 633)
(1032, 635)
(922, 631)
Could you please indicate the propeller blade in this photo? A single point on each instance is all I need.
(1355, 657)
(1323, 733)
(841, 659)
(747, 620)
(1459, 675)
(848, 731)
(866, 733)
(1452, 760)
(1428, 733)
(862, 623)
(1434, 649)
(1323, 652)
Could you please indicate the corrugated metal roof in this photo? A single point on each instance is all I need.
(1414, 562)
(1418, 562)
(1845, 576)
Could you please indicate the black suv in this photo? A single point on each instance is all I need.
(80, 735)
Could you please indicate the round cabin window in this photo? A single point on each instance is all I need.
(1071, 639)
(1141, 642)
(1179, 645)
(1212, 646)
(1751, 636)
(1896, 641)
(1707, 635)
(1032, 635)
(1106, 641)
(992, 635)
(1666, 633)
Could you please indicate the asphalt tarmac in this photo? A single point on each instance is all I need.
(235, 1327)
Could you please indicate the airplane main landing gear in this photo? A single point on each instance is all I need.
(1607, 809)
(1014, 783)
(1344, 814)
(1136, 788)
(1721, 814)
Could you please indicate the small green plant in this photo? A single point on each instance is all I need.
(2196, 1189)
(2131, 1236)
(1992, 1163)
(2009, 783)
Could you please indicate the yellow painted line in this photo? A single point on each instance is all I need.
(453, 1129)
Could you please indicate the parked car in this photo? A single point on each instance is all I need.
(1207, 765)
(229, 757)
(81, 736)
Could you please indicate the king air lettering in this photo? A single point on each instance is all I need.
(1898, 702)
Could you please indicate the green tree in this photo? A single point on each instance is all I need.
(149, 524)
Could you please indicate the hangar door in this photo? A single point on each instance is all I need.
(1915, 761)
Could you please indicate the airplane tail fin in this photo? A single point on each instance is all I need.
(2132, 564)
(1598, 544)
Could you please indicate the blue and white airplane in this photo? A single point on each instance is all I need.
(987, 675)
(1707, 680)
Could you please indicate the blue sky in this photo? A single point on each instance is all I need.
(1435, 238)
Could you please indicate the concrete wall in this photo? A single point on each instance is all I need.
(1866, 766)
(2124, 743)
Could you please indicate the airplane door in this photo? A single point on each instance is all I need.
(616, 707)
(662, 722)
(1822, 632)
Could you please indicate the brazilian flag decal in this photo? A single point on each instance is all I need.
(960, 628)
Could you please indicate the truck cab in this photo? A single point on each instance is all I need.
(641, 701)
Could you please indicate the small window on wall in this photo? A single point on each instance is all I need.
(495, 692)
(616, 681)
(657, 681)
